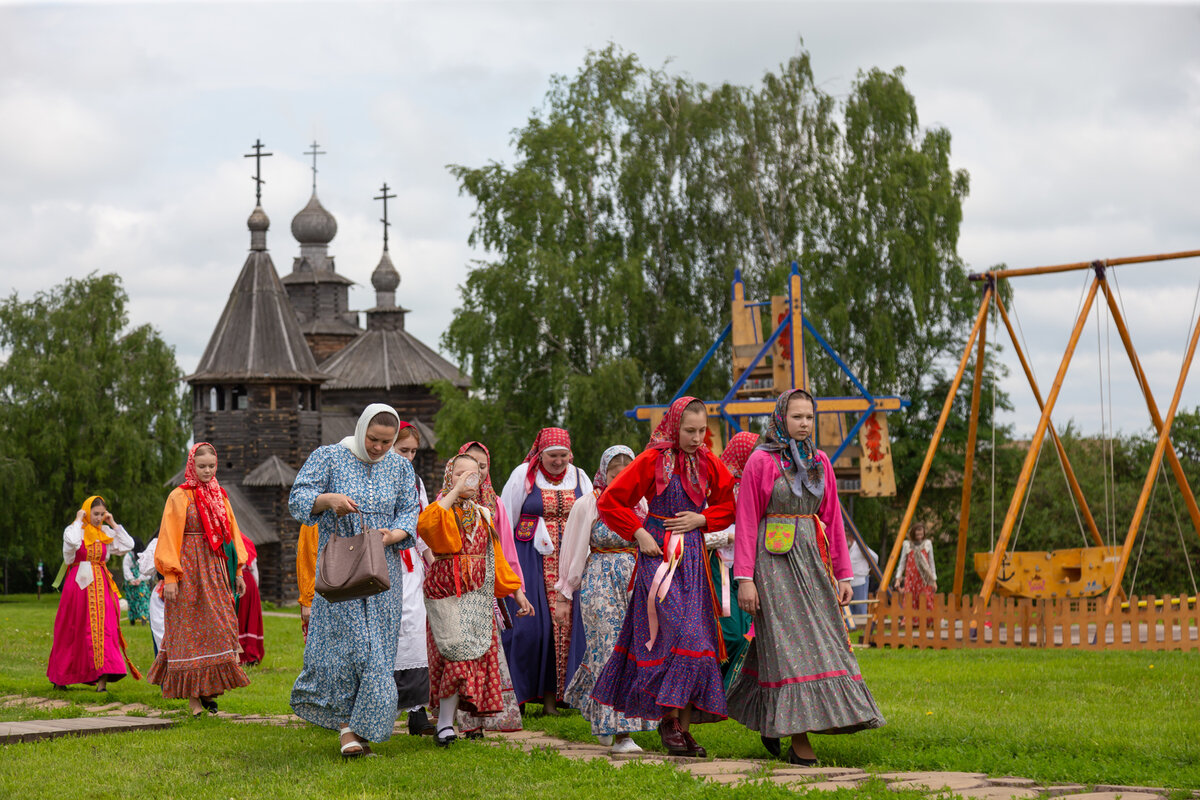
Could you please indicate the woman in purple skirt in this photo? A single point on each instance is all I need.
(665, 665)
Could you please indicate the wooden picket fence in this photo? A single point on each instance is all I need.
(950, 621)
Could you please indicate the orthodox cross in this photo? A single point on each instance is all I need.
(314, 153)
(385, 197)
(258, 155)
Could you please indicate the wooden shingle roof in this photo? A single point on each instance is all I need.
(385, 359)
(257, 336)
(272, 472)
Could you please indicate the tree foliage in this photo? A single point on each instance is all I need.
(611, 240)
(87, 406)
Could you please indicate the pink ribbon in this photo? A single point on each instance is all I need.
(672, 557)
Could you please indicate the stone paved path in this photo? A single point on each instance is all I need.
(970, 785)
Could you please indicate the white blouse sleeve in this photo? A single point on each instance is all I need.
(122, 542)
(898, 578)
(72, 541)
(927, 546)
(513, 494)
(575, 545)
(584, 481)
(127, 568)
(146, 559)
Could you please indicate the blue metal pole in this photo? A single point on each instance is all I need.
(767, 345)
(852, 433)
(703, 362)
(837, 359)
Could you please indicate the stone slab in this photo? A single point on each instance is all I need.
(1062, 789)
(624, 762)
(34, 730)
(817, 773)
(828, 786)
(727, 779)
(1111, 796)
(1108, 787)
(937, 782)
(999, 793)
(1008, 780)
(912, 776)
(721, 767)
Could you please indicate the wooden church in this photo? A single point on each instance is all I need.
(289, 368)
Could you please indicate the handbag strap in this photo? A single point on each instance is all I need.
(362, 525)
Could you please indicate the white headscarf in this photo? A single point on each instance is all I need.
(357, 443)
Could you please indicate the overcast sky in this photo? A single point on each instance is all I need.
(122, 131)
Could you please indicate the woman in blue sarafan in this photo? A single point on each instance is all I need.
(347, 683)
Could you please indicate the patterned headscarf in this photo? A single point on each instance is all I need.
(486, 495)
(734, 456)
(601, 478)
(797, 460)
(210, 502)
(93, 533)
(463, 508)
(692, 468)
(547, 439)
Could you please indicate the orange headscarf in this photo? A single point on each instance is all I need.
(91, 533)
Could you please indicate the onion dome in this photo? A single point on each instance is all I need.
(258, 225)
(314, 225)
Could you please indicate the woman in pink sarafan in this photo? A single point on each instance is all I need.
(793, 572)
(88, 646)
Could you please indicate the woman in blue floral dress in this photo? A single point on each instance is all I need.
(347, 683)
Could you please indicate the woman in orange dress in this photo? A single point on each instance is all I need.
(200, 554)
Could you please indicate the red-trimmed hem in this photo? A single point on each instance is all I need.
(839, 673)
(658, 661)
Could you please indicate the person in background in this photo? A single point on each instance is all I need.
(88, 646)
(538, 496)
(155, 608)
(736, 626)
(137, 585)
(596, 567)
(249, 611)
(917, 575)
(859, 584)
(411, 671)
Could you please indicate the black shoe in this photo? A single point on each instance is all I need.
(772, 744)
(792, 758)
(473, 735)
(419, 723)
(209, 704)
(444, 740)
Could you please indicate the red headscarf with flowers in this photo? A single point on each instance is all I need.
(735, 454)
(691, 467)
(486, 495)
(547, 439)
(209, 498)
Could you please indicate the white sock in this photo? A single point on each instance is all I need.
(446, 708)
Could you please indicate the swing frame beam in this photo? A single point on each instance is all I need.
(977, 340)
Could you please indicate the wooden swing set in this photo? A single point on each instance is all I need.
(1108, 563)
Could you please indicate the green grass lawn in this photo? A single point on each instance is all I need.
(1131, 718)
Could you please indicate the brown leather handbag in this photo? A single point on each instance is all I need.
(353, 567)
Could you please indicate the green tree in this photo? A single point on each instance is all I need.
(87, 406)
(611, 241)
